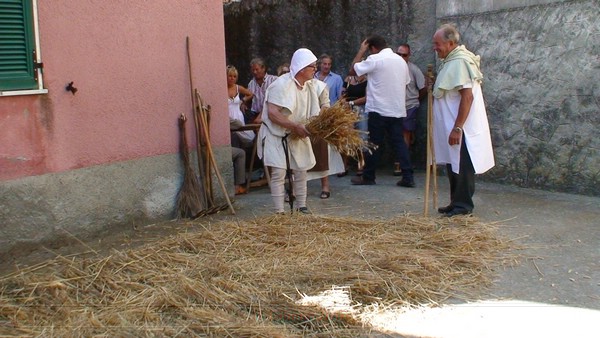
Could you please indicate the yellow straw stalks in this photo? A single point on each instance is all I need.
(243, 278)
(336, 126)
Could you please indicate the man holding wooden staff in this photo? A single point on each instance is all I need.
(461, 133)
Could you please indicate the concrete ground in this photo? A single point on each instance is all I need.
(559, 233)
(552, 291)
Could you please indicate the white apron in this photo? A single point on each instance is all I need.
(476, 131)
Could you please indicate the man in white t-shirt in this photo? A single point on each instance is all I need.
(386, 100)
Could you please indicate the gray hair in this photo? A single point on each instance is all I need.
(450, 33)
(325, 56)
(258, 61)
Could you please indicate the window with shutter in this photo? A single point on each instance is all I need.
(17, 46)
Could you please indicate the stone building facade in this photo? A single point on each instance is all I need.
(540, 60)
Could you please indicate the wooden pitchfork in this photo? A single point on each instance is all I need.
(209, 153)
(431, 171)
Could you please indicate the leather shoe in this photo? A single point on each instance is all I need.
(397, 170)
(304, 210)
(406, 183)
(443, 210)
(457, 211)
(359, 180)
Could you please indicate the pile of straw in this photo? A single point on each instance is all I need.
(336, 126)
(243, 278)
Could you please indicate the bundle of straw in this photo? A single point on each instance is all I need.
(336, 126)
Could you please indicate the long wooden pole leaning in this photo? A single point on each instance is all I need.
(199, 156)
(433, 161)
(431, 166)
(203, 113)
(210, 154)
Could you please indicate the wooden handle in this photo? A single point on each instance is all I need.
(431, 166)
(429, 77)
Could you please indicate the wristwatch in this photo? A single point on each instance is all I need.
(458, 129)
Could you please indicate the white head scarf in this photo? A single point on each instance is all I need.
(301, 58)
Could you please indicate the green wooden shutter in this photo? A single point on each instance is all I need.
(16, 45)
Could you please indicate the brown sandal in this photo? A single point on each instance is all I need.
(325, 194)
(342, 174)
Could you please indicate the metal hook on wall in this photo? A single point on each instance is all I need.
(70, 88)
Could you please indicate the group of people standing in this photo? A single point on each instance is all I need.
(384, 88)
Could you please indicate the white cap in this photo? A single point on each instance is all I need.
(301, 58)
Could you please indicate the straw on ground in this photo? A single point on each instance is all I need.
(243, 278)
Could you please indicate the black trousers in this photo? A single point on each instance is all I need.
(462, 185)
(379, 126)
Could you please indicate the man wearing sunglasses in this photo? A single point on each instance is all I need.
(415, 92)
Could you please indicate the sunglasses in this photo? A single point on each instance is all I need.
(402, 54)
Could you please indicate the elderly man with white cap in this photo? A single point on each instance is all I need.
(283, 142)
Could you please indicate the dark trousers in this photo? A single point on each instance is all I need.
(379, 126)
(462, 185)
(250, 115)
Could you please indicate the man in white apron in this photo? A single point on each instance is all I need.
(289, 102)
(461, 132)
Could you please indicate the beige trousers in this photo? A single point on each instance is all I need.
(278, 188)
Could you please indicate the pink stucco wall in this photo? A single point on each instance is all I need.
(127, 58)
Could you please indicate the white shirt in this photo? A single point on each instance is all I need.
(386, 88)
(259, 92)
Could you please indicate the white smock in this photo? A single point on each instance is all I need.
(298, 104)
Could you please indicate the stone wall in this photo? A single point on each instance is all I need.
(274, 29)
(541, 66)
(539, 58)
